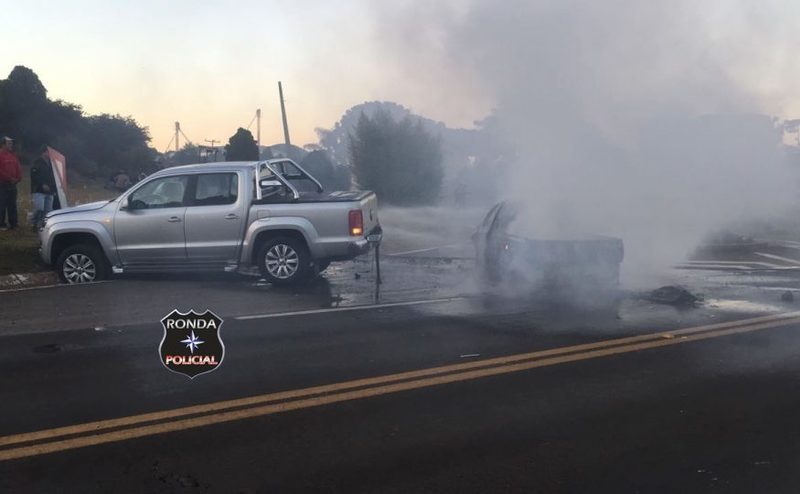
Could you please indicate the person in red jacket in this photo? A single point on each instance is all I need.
(10, 175)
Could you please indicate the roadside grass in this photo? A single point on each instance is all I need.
(19, 248)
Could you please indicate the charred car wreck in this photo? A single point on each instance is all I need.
(577, 271)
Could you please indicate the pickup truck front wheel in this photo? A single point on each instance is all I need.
(81, 264)
(283, 261)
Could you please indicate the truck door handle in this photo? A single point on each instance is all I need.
(232, 216)
(174, 219)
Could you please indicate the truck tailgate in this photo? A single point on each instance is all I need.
(369, 208)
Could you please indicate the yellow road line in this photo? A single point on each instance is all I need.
(385, 385)
(98, 426)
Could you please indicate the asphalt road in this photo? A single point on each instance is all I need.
(423, 386)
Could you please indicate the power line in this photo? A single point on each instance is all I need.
(170, 144)
(188, 141)
(251, 121)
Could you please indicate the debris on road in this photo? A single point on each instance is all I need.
(673, 295)
(470, 355)
(787, 296)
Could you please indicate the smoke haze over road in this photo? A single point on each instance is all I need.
(646, 120)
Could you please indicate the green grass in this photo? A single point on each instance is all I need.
(19, 248)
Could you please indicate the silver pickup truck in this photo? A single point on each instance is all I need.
(214, 216)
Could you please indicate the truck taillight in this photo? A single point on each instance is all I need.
(355, 221)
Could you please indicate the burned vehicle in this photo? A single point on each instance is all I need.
(583, 269)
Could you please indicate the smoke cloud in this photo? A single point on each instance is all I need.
(643, 120)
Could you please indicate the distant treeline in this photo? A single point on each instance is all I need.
(378, 145)
(95, 145)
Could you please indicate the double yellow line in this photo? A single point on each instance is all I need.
(121, 429)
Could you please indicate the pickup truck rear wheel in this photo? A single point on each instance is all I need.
(82, 263)
(284, 260)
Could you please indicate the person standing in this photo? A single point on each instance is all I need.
(122, 181)
(10, 175)
(43, 187)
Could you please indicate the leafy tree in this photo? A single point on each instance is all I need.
(398, 159)
(118, 143)
(474, 159)
(241, 147)
(188, 154)
(281, 150)
(265, 153)
(24, 104)
(94, 145)
(332, 177)
(336, 140)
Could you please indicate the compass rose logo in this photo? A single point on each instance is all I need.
(191, 344)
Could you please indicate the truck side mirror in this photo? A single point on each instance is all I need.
(133, 204)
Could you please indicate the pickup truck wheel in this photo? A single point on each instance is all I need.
(81, 264)
(284, 261)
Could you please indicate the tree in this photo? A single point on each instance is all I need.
(265, 153)
(241, 147)
(473, 159)
(331, 176)
(187, 155)
(398, 159)
(24, 105)
(118, 143)
(93, 145)
(336, 140)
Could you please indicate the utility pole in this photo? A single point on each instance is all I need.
(258, 129)
(177, 136)
(283, 114)
(212, 141)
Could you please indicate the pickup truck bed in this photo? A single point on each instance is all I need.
(337, 196)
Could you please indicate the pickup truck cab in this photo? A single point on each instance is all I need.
(214, 217)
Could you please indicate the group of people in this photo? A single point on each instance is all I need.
(43, 186)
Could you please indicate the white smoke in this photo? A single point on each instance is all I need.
(643, 120)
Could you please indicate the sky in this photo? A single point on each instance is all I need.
(211, 64)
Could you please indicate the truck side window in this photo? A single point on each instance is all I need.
(216, 189)
(167, 192)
